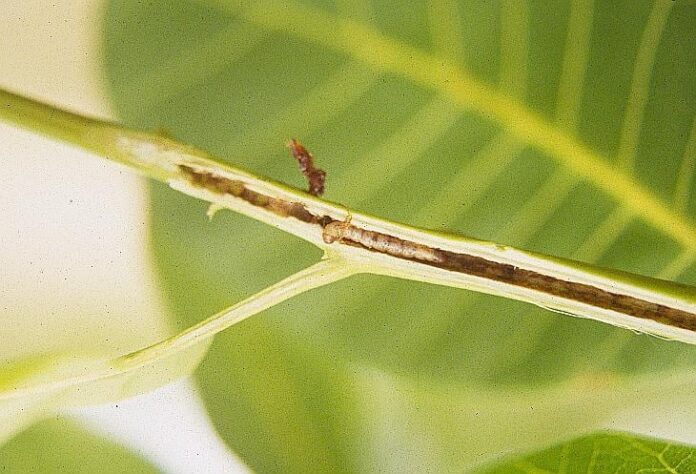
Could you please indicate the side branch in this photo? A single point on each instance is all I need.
(322, 273)
(99, 370)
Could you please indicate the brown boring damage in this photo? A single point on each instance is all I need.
(236, 188)
(507, 273)
(334, 231)
(315, 176)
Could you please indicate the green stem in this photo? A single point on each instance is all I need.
(324, 272)
(372, 245)
(93, 135)
(87, 133)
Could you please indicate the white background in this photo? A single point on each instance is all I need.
(72, 261)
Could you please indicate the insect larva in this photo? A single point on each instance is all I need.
(347, 233)
(383, 243)
(334, 231)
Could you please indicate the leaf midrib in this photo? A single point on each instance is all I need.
(425, 69)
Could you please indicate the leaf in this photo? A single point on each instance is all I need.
(619, 453)
(71, 296)
(63, 446)
(484, 118)
(34, 388)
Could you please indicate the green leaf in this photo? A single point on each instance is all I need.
(550, 126)
(34, 388)
(72, 300)
(616, 453)
(63, 446)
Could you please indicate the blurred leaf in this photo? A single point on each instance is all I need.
(72, 283)
(360, 84)
(36, 387)
(62, 446)
(615, 453)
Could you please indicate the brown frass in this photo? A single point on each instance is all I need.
(305, 160)
(346, 233)
(236, 188)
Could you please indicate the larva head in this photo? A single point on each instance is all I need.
(334, 231)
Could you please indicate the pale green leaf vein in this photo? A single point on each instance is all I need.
(446, 30)
(640, 83)
(575, 59)
(460, 193)
(514, 47)
(539, 208)
(389, 55)
(306, 113)
(686, 173)
(413, 138)
(194, 65)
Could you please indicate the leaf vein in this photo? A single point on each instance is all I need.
(365, 44)
(640, 83)
(574, 67)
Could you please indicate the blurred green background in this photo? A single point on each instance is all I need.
(373, 373)
(370, 374)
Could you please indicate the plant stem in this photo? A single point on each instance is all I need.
(93, 135)
(324, 272)
(372, 245)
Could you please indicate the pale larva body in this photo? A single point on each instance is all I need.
(383, 243)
